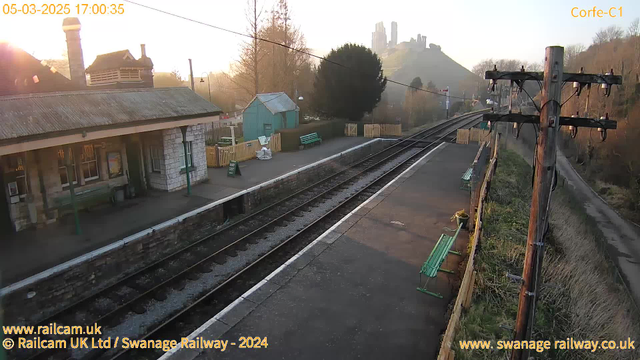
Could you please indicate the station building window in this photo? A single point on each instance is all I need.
(15, 177)
(189, 155)
(156, 158)
(89, 163)
(62, 168)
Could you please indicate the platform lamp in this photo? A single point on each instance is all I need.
(208, 83)
(186, 157)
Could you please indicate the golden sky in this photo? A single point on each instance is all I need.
(468, 31)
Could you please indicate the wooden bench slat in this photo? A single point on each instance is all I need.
(439, 253)
(466, 179)
(310, 139)
(83, 195)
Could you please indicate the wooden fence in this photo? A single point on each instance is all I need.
(466, 136)
(221, 156)
(377, 130)
(214, 133)
(462, 137)
(371, 130)
(350, 129)
(466, 287)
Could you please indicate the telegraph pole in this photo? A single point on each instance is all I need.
(544, 165)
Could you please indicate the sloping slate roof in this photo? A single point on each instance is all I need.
(115, 60)
(277, 102)
(36, 114)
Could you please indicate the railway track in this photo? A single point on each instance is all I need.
(174, 294)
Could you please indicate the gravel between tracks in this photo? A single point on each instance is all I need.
(134, 325)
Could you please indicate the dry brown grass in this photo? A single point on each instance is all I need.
(619, 198)
(581, 297)
(599, 305)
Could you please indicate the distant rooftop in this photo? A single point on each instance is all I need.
(116, 60)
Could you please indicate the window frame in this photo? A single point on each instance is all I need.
(19, 174)
(156, 164)
(64, 166)
(87, 162)
(189, 152)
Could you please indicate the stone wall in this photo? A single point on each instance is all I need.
(173, 154)
(155, 179)
(42, 165)
(171, 176)
(58, 287)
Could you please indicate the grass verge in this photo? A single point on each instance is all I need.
(581, 296)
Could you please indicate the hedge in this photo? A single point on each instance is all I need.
(326, 129)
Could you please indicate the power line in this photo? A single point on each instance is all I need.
(282, 45)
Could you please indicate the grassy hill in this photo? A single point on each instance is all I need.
(430, 65)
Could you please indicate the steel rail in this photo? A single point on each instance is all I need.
(149, 268)
(262, 257)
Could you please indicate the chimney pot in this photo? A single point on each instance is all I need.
(71, 27)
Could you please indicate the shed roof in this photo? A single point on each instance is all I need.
(276, 102)
(116, 60)
(26, 116)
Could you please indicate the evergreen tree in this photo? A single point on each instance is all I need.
(350, 90)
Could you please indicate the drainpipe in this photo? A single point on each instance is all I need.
(186, 157)
(67, 160)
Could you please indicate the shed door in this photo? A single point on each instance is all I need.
(268, 130)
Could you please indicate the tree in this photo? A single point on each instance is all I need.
(611, 33)
(420, 106)
(163, 79)
(473, 86)
(634, 28)
(352, 88)
(502, 65)
(246, 74)
(571, 52)
(275, 59)
(223, 90)
(281, 67)
(416, 83)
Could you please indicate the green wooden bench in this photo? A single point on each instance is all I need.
(310, 139)
(84, 198)
(225, 141)
(465, 180)
(436, 258)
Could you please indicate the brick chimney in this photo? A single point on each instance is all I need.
(71, 27)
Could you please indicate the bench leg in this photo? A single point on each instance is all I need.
(424, 290)
(447, 271)
(455, 252)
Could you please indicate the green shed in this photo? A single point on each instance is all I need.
(267, 113)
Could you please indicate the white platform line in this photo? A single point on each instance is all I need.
(243, 297)
(141, 234)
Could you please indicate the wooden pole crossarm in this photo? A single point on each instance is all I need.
(567, 77)
(564, 120)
